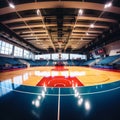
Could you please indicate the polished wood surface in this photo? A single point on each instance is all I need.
(87, 76)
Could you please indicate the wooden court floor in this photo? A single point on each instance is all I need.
(87, 76)
(94, 102)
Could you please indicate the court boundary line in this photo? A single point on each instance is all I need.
(58, 115)
(92, 93)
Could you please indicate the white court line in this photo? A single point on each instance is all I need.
(91, 93)
(58, 116)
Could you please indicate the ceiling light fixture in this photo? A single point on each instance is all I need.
(38, 12)
(87, 33)
(107, 5)
(12, 5)
(80, 12)
(92, 26)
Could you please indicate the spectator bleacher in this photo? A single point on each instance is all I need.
(117, 65)
(7, 63)
(107, 62)
(87, 63)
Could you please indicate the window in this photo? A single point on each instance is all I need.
(55, 56)
(5, 48)
(26, 54)
(45, 56)
(37, 57)
(18, 52)
(64, 56)
(31, 56)
(0, 43)
(77, 56)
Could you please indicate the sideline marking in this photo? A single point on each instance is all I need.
(58, 116)
(91, 93)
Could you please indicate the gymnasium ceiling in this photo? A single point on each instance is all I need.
(57, 25)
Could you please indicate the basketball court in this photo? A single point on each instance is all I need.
(59, 59)
(59, 93)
